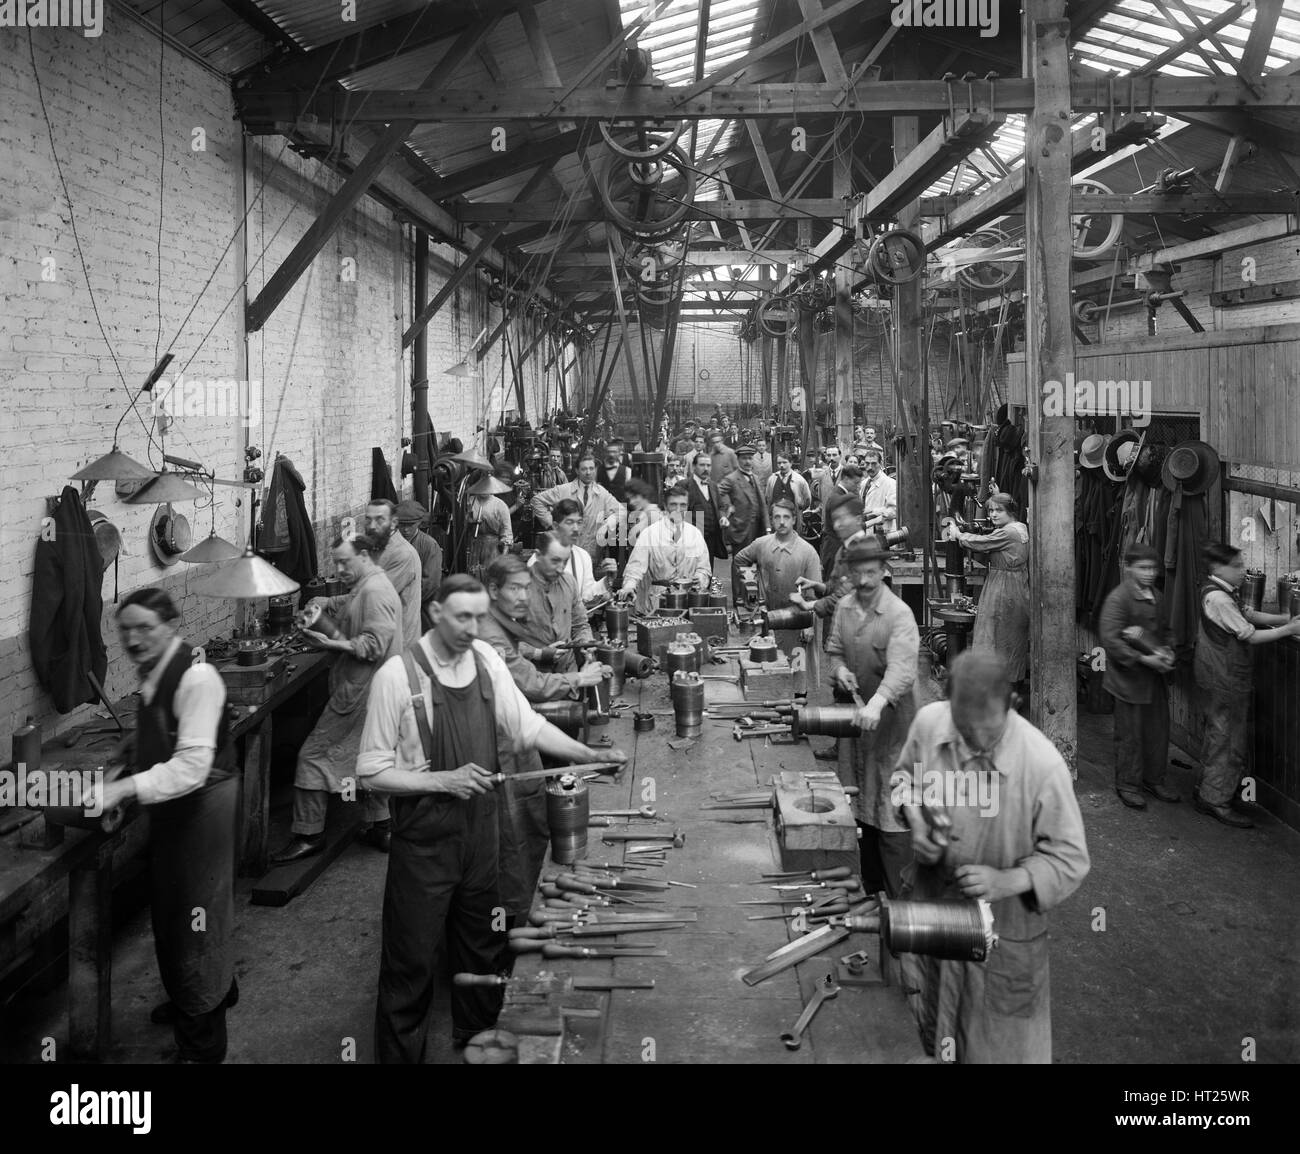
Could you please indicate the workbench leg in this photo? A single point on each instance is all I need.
(90, 958)
(256, 814)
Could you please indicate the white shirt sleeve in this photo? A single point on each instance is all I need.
(200, 699)
(389, 699)
(1220, 608)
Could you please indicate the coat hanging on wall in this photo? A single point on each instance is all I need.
(285, 536)
(66, 642)
(381, 477)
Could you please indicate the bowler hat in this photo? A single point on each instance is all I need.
(867, 549)
(169, 535)
(1193, 465)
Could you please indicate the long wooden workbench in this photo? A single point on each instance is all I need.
(75, 877)
(700, 1011)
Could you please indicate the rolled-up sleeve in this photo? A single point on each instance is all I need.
(390, 697)
(199, 701)
(1060, 859)
(379, 622)
(1221, 610)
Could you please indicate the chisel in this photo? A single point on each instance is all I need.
(791, 954)
(809, 913)
(591, 767)
(557, 931)
(852, 885)
(494, 980)
(592, 918)
(834, 874)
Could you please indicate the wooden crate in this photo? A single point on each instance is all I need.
(814, 838)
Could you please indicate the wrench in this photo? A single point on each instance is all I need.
(825, 991)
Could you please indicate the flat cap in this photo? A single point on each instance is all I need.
(409, 511)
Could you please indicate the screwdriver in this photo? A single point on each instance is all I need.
(852, 885)
(497, 980)
(834, 874)
(553, 931)
(812, 913)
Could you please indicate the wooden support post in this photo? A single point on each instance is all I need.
(914, 452)
(1049, 356)
(842, 185)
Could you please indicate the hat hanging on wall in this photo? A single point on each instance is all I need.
(1192, 464)
(169, 535)
(108, 538)
(1122, 453)
(1093, 451)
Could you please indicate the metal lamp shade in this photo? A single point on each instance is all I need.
(248, 578)
(165, 489)
(114, 465)
(211, 551)
(461, 370)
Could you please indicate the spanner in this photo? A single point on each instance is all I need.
(827, 990)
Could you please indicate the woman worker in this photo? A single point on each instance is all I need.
(184, 772)
(1002, 620)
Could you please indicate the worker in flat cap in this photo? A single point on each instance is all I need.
(743, 515)
(872, 654)
(411, 516)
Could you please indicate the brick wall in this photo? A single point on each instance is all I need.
(333, 381)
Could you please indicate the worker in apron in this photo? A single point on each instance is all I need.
(488, 532)
(436, 716)
(184, 761)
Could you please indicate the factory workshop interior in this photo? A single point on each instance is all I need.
(652, 532)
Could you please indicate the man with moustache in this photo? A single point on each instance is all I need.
(601, 513)
(703, 503)
(397, 557)
(411, 516)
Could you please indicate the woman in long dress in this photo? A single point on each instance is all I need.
(1002, 619)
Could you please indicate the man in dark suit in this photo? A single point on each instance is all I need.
(614, 474)
(702, 505)
(743, 512)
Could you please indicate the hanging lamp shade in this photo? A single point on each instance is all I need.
(165, 489)
(461, 370)
(488, 487)
(248, 578)
(114, 465)
(211, 550)
(472, 459)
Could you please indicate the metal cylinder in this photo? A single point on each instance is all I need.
(643, 722)
(954, 560)
(688, 704)
(279, 615)
(316, 587)
(961, 930)
(898, 538)
(615, 656)
(598, 699)
(825, 721)
(638, 665)
(762, 649)
(317, 620)
(674, 602)
(680, 657)
(334, 587)
(492, 1048)
(568, 810)
(1252, 589)
(694, 640)
(569, 716)
(616, 618)
(717, 598)
(791, 618)
(697, 599)
(954, 585)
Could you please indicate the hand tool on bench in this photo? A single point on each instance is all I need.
(792, 953)
(555, 950)
(805, 899)
(646, 811)
(591, 768)
(677, 838)
(739, 733)
(808, 913)
(834, 874)
(851, 885)
(584, 883)
(553, 931)
(594, 918)
(568, 983)
(826, 990)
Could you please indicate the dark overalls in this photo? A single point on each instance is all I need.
(1224, 674)
(192, 872)
(442, 874)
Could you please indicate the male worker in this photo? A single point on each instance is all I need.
(685, 441)
(1135, 678)
(786, 484)
(555, 609)
(1224, 676)
(184, 763)
(669, 550)
(489, 532)
(601, 513)
(879, 493)
(614, 473)
(431, 740)
(524, 834)
(398, 558)
(566, 526)
(369, 620)
(762, 463)
(696, 451)
(703, 504)
(722, 459)
(1013, 837)
(872, 653)
(410, 517)
(784, 559)
(552, 472)
(743, 514)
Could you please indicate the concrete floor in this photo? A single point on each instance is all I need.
(1198, 950)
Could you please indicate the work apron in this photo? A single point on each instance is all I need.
(191, 861)
(1224, 675)
(442, 877)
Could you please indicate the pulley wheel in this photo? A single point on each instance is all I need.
(655, 145)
